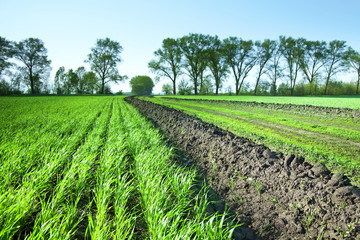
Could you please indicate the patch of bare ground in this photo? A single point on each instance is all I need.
(280, 197)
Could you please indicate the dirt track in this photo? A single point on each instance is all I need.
(279, 197)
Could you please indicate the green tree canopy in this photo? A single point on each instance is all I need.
(334, 60)
(217, 61)
(194, 48)
(240, 56)
(141, 85)
(353, 60)
(312, 60)
(274, 68)
(292, 52)
(90, 82)
(103, 60)
(33, 54)
(6, 52)
(59, 80)
(166, 89)
(264, 51)
(168, 62)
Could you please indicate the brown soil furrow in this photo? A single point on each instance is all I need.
(280, 197)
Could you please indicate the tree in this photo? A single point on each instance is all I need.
(15, 80)
(66, 82)
(334, 60)
(80, 76)
(167, 89)
(7, 51)
(312, 60)
(208, 86)
(141, 85)
(264, 51)
(103, 60)
(90, 82)
(59, 80)
(184, 87)
(274, 70)
(217, 62)
(353, 60)
(240, 57)
(168, 63)
(194, 47)
(5, 87)
(71, 82)
(292, 53)
(33, 54)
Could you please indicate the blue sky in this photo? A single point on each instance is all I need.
(70, 28)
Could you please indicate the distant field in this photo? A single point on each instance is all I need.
(352, 102)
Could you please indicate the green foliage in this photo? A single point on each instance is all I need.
(194, 49)
(119, 92)
(207, 86)
(6, 52)
(334, 60)
(292, 52)
(32, 54)
(312, 59)
(217, 62)
(264, 51)
(166, 89)
(103, 60)
(353, 60)
(75, 82)
(168, 63)
(240, 56)
(90, 82)
(184, 88)
(141, 85)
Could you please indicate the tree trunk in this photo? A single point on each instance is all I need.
(195, 87)
(274, 86)
(275, 78)
(326, 84)
(201, 82)
(174, 87)
(357, 86)
(237, 89)
(32, 82)
(102, 86)
(256, 85)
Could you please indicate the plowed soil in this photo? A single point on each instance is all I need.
(280, 197)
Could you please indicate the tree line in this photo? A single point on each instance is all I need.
(208, 61)
(26, 63)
